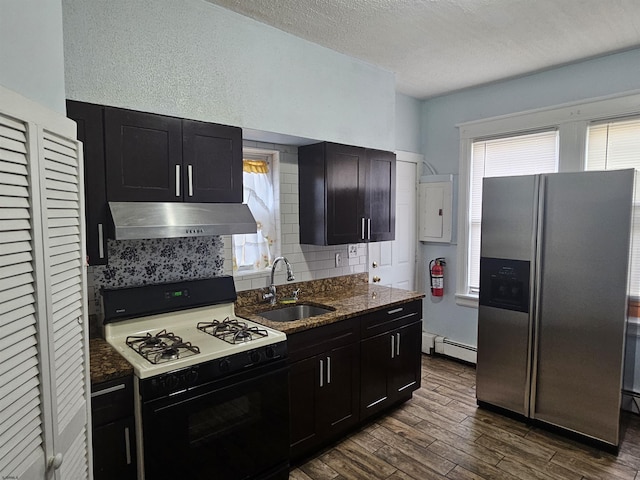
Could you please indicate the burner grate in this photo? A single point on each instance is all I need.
(232, 330)
(162, 347)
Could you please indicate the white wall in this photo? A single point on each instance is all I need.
(440, 142)
(408, 123)
(196, 60)
(31, 51)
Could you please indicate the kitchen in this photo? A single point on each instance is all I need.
(278, 102)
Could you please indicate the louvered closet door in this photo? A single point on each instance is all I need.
(64, 273)
(22, 452)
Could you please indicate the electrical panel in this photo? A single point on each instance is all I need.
(435, 204)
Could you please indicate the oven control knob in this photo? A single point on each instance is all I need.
(191, 376)
(255, 356)
(171, 382)
(270, 352)
(224, 365)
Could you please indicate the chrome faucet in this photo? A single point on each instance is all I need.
(271, 296)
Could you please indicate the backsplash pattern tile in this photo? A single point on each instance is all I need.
(142, 262)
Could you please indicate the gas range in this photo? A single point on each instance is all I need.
(216, 384)
(157, 344)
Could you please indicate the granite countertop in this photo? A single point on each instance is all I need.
(348, 302)
(106, 363)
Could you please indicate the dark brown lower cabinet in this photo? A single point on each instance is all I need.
(323, 385)
(114, 450)
(114, 439)
(390, 368)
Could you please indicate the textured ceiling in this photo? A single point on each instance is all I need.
(439, 46)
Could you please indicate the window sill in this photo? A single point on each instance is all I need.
(467, 300)
(248, 274)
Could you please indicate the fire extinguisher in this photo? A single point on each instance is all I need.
(436, 275)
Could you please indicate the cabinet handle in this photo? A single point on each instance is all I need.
(397, 344)
(127, 444)
(108, 390)
(328, 370)
(395, 310)
(393, 348)
(362, 231)
(190, 175)
(368, 229)
(178, 179)
(100, 241)
(321, 373)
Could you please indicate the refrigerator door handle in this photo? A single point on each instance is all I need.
(536, 282)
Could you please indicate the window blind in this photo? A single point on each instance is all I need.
(615, 145)
(526, 154)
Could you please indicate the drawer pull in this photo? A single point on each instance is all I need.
(127, 444)
(395, 310)
(108, 390)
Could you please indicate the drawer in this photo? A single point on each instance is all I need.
(111, 400)
(318, 340)
(390, 318)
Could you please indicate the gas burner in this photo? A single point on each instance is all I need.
(232, 331)
(162, 347)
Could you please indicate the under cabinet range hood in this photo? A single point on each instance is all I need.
(140, 220)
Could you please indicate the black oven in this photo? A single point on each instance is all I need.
(235, 426)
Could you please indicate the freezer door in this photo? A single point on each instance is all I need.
(502, 377)
(508, 217)
(582, 302)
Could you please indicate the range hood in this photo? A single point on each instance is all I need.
(139, 220)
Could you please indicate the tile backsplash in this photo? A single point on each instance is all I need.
(141, 262)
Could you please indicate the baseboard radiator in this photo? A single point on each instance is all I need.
(432, 343)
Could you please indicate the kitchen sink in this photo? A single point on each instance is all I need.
(294, 312)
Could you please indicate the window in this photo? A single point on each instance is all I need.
(503, 157)
(255, 252)
(595, 135)
(615, 145)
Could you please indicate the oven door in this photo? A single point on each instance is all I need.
(234, 428)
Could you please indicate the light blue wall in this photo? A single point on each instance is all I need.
(408, 123)
(196, 60)
(31, 50)
(440, 144)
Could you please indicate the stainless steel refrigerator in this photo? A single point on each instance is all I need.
(553, 298)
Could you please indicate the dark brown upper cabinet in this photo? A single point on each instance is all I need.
(137, 156)
(347, 194)
(88, 117)
(154, 158)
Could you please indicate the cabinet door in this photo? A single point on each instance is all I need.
(345, 197)
(212, 160)
(114, 454)
(375, 358)
(339, 393)
(381, 195)
(88, 117)
(405, 371)
(143, 155)
(303, 403)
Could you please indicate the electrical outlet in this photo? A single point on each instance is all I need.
(353, 250)
(338, 259)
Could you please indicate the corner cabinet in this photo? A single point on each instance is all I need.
(347, 194)
(114, 440)
(44, 367)
(144, 157)
(323, 384)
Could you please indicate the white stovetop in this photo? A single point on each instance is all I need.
(183, 324)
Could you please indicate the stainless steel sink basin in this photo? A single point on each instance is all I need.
(294, 312)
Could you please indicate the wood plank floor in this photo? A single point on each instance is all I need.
(441, 434)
